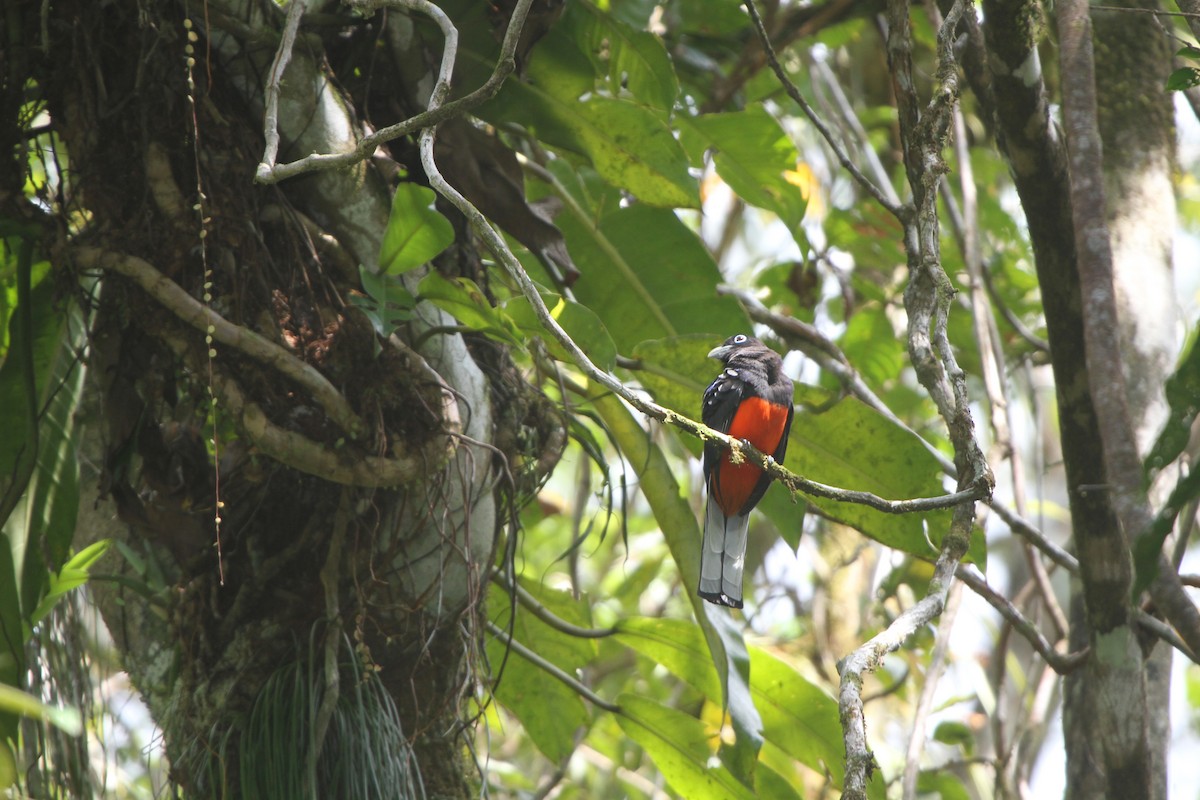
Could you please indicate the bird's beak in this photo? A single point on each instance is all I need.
(720, 352)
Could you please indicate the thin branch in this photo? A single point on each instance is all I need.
(244, 340)
(860, 762)
(1166, 633)
(274, 81)
(551, 669)
(927, 301)
(821, 70)
(1060, 663)
(885, 199)
(546, 615)
(1030, 531)
(301, 453)
(270, 172)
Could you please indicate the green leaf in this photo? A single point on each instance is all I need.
(626, 59)
(1183, 79)
(72, 575)
(1183, 397)
(648, 276)
(1189, 51)
(1147, 548)
(676, 644)
(681, 748)
(463, 300)
(798, 716)
(550, 711)
(628, 144)
(872, 346)
(943, 784)
(416, 231)
(753, 155)
(579, 321)
(49, 508)
(955, 733)
(14, 701)
(14, 404)
(387, 304)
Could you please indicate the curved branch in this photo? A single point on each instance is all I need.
(301, 453)
(546, 615)
(246, 341)
(551, 669)
(1059, 662)
(885, 199)
(269, 172)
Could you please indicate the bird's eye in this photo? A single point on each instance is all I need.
(740, 338)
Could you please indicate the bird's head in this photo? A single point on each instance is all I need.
(732, 344)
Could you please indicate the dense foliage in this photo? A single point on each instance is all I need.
(240, 385)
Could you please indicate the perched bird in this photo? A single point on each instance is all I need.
(751, 400)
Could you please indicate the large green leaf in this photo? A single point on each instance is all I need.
(551, 712)
(416, 231)
(579, 321)
(629, 144)
(14, 701)
(648, 276)
(676, 644)
(464, 301)
(798, 716)
(682, 750)
(48, 510)
(14, 403)
(753, 155)
(629, 60)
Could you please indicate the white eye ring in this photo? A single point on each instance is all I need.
(741, 337)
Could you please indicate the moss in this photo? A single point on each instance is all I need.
(1135, 113)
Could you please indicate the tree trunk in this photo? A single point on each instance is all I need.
(1136, 122)
(306, 585)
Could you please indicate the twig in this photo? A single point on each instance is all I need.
(546, 615)
(301, 453)
(846, 110)
(1166, 633)
(331, 574)
(270, 172)
(885, 199)
(860, 762)
(551, 669)
(1060, 663)
(246, 341)
(282, 56)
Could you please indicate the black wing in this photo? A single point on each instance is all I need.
(721, 401)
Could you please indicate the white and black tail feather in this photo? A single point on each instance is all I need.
(723, 556)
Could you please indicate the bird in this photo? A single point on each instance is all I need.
(750, 400)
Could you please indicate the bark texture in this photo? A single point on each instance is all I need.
(310, 572)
